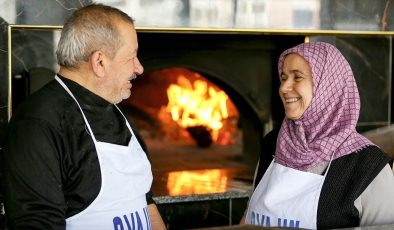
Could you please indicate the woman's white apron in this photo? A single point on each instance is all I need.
(126, 177)
(286, 197)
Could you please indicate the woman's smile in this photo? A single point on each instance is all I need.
(292, 99)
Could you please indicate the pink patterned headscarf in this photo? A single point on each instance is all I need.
(328, 126)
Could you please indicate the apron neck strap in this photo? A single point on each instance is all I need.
(329, 164)
(80, 108)
(127, 123)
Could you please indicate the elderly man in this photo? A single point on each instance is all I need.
(71, 158)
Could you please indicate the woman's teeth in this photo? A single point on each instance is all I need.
(293, 99)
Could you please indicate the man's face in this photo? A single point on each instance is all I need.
(124, 67)
(296, 86)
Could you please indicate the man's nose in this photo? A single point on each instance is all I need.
(139, 69)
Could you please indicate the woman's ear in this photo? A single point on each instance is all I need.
(97, 63)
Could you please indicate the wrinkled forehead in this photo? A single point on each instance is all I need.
(315, 53)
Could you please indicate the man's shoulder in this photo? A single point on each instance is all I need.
(49, 104)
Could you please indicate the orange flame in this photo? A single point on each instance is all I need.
(192, 104)
(198, 182)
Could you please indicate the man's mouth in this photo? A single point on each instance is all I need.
(134, 76)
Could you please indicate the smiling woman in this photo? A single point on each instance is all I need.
(324, 173)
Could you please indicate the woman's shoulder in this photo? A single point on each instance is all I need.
(271, 136)
(268, 143)
(347, 178)
(268, 147)
(358, 169)
(371, 155)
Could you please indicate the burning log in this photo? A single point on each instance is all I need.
(198, 106)
(201, 134)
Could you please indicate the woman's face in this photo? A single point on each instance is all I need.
(296, 86)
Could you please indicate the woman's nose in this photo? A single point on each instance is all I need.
(286, 86)
(139, 69)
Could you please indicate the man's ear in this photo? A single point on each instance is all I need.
(97, 63)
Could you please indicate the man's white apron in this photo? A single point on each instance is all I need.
(286, 197)
(126, 177)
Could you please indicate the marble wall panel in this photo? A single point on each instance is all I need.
(3, 77)
(365, 15)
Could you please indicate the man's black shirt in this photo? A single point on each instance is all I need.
(50, 165)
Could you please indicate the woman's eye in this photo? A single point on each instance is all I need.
(298, 78)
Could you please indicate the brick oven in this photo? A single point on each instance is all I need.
(242, 65)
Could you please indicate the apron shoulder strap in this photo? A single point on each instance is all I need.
(79, 106)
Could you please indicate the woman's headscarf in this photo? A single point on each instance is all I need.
(328, 126)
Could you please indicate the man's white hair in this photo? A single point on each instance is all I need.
(89, 29)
